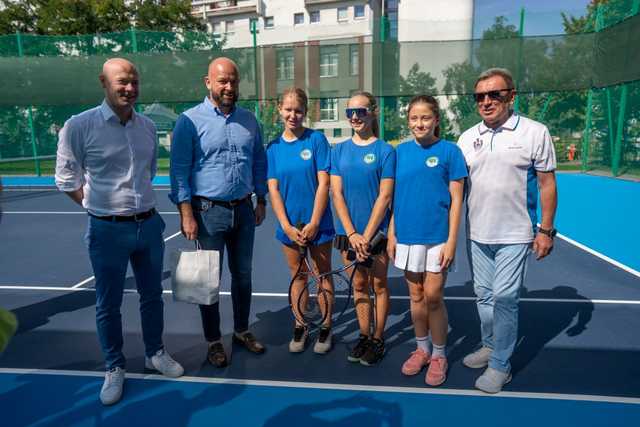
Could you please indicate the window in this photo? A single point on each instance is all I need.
(329, 109)
(358, 11)
(284, 64)
(354, 59)
(314, 16)
(343, 13)
(230, 27)
(268, 21)
(337, 133)
(216, 27)
(298, 18)
(328, 61)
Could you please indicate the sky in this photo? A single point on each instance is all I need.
(542, 17)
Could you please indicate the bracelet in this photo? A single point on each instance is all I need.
(351, 234)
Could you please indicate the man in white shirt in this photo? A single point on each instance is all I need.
(106, 161)
(510, 158)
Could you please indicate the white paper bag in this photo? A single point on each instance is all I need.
(195, 276)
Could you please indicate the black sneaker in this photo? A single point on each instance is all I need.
(374, 354)
(361, 347)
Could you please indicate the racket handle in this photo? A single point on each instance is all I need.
(302, 250)
(379, 237)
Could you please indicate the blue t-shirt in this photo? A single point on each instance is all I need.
(421, 199)
(295, 164)
(361, 169)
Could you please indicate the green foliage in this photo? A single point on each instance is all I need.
(74, 17)
(416, 82)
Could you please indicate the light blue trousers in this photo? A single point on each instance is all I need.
(498, 274)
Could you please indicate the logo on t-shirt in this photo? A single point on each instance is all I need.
(477, 144)
(369, 158)
(432, 162)
(305, 154)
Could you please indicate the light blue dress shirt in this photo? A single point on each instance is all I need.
(217, 156)
(113, 163)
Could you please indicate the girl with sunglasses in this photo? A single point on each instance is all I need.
(423, 231)
(362, 175)
(298, 180)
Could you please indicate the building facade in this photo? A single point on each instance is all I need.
(329, 47)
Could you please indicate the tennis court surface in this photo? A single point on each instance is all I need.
(576, 362)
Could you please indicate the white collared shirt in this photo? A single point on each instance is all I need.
(503, 188)
(114, 163)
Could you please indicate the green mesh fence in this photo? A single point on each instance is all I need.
(583, 86)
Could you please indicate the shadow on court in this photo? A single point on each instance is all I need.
(360, 409)
(144, 403)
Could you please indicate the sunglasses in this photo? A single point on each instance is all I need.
(359, 112)
(494, 95)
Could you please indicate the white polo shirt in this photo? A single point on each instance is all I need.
(503, 188)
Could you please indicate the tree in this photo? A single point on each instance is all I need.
(416, 82)
(75, 17)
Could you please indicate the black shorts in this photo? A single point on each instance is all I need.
(341, 243)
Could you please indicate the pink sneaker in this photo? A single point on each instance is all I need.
(415, 362)
(437, 372)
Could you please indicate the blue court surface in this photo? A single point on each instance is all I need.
(576, 361)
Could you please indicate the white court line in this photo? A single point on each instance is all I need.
(52, 188)
(87, 280)
(284, 295)
(69, 213)
(333, 386)
(600, 255)
(561, 236)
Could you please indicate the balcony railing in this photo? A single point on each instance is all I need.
(314, 2)
(223, 7)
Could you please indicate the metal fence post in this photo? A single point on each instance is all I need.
(34, 145)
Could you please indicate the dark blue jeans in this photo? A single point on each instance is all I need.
(112, 245)
(219, 227)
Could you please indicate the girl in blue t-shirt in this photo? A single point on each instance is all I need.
(423, 231)
(362, 174)
(298, 179)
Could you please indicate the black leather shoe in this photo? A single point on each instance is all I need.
(248, 341)
(216, 355)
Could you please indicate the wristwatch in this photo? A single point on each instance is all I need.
(550, 233)
(261, 200)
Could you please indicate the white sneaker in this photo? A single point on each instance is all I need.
(163, 363)
(323, 344)
(297, 343)
(492, 380)
(112, 387)
(478, 359)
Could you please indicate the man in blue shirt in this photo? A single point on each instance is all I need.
(217, 162)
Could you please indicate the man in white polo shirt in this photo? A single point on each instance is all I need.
(510, 158)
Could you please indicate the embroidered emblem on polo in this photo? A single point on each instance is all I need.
(432, 162)
(477, 144)
(305, 154)
(369, 158)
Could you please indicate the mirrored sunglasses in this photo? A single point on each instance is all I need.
(359, 112)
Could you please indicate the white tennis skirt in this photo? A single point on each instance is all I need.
(419, 258)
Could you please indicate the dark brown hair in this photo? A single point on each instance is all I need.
(432, 103)
(300, 95)
(373, 109)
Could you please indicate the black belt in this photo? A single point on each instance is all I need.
(127, 218)
(203, 203)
